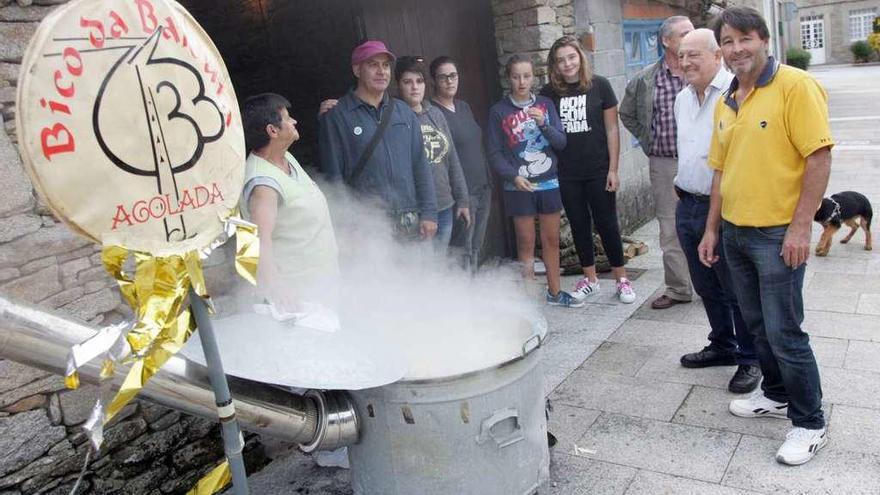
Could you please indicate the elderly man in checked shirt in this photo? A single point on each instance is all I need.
(646, 111)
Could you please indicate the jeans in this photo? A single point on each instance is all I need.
(444, 231)
(470, 239)
(729, 332)
(769, 295)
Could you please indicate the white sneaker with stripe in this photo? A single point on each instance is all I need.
(757, 405)
(801, 445)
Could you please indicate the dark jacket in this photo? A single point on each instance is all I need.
(637, 107)
(397, 172)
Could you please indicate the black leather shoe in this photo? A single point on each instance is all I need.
(745, 379)
(707, 357)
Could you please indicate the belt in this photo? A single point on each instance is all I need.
(685, 194)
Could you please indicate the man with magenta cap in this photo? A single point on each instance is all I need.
(373, 143)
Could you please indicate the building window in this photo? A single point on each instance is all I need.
(860, 23)
(641, 42)
(812, 32)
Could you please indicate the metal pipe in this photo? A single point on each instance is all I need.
(42, 339)
(233, 443)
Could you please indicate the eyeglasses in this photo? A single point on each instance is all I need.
(452, 76)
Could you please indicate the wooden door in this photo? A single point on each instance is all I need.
(461, 29)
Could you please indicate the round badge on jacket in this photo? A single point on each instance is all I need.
(129, 126)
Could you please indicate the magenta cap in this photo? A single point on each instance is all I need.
(369, 49)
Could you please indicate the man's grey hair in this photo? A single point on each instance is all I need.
(666, 27)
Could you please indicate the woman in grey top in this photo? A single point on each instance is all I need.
(449, 182)
(468, 138)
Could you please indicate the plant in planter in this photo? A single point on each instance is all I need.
(797, 57)
(861, 51)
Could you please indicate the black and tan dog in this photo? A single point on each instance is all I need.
(848, 207)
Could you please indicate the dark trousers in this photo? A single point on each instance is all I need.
(769, 293)
(586, 201)
(728, 331)
(469, 240)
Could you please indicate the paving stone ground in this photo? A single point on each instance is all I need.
(646, 425)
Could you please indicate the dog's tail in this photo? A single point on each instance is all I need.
(869, 214)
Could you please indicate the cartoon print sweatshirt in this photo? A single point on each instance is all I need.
(518, 147)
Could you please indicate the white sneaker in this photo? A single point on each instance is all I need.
(625, 291)
(756, 405)
(584, 289)
(800, 446)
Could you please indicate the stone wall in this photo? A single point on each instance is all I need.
(148, 449)
(531, 26)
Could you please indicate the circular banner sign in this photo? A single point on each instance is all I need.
(129, 126)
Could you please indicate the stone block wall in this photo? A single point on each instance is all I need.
(148, 449)
(531, 26)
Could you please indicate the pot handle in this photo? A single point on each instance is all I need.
(494, 420)
(530, 345)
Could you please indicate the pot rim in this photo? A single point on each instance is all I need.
(530, 345)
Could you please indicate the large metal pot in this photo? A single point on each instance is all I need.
(482, 432)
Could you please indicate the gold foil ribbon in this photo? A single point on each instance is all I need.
(157, 291)
(214, 481)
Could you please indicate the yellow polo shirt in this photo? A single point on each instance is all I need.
(762, 145)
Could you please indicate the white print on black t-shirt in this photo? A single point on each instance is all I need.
(573, 112)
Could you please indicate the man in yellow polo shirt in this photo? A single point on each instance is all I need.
(771, 151)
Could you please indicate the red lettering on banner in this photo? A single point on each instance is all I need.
(140, 211)
(96, 31)
(147, 13)
(212, 73)
(55, 107)
(72, 53)
(170, 30)
(158, 206)
(215, 193)
(187, 200)
(121, 216)
(65, 146)
(66, 92)
(119, 26)
(162, 206)
(202, 196)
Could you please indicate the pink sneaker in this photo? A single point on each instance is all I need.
(625, 292)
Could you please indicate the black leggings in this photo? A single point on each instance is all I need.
(583, 200)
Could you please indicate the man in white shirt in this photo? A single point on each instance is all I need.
(729, 340)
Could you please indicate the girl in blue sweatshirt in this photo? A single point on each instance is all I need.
(524, 129)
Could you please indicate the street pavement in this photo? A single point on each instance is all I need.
(631, 420)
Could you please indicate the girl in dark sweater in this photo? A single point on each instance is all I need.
(524, 129)
(588, 178)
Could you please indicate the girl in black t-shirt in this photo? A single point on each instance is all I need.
(588, 179)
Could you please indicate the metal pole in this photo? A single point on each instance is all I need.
(233, 442)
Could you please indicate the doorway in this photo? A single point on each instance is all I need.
(813, 38)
